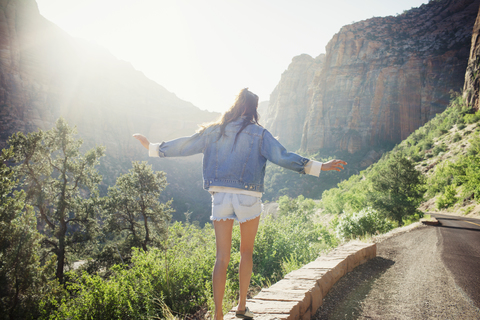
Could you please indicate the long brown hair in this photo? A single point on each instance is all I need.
(245, 106)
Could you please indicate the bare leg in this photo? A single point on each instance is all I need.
(248, 231)
(223, 239)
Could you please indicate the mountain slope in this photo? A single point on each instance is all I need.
(45, 74)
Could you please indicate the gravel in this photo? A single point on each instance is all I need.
(407, 280)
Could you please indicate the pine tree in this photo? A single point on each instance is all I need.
(134, 209)
(398, 188)
(62, 185)
(19, 244)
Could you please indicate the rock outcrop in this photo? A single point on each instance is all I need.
(472, 76)
(385, 77)
(45, 74)
(380, 80)
(289, 102)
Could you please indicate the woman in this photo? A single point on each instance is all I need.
(235, 151)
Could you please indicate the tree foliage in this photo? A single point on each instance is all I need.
(366, 221)
(61, 184)
(19, 244)
(134, 210)
(398, 188)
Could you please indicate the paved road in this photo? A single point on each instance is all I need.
(411, 278)
(460, 244)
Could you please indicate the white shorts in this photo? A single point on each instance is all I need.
(235, 206)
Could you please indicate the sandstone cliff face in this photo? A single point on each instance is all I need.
(472, 76)
(381, 79)
(289, 102)
(385, 77)
(45, 74)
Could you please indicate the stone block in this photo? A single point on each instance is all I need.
(317, 298)
(325, 283)
(271, 316)
(325, 262)
(307, 274)
(290, 308)
(307, 315)
(371, 251)
(430, 222)
(339, 271)
(294, 284)
(351, 262)
(302, 297)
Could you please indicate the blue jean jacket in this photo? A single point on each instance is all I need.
(238, 166)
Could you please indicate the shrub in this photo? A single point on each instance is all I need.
(439, 179)
(472, 118)
(350, 196)
(474, 148)
(367, 221)
(472, 177)
(439, 148)
(417, 158)
(427, 145)
(456, 137)
(412, 218)
(293, 232)
(441, 132)
(460, 126)
(448, 198)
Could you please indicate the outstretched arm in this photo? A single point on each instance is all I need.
(143, 140)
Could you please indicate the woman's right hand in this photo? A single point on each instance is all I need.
(143, 140)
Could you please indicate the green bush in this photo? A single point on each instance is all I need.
(358, 224)
(177, 277)
(293, 234)
(474, 148)
(456, 137)
(412, 218)
(472, 177)
(448, 198)
(350, 196)
(439, 148)
(441, 132)
(416, 157)
(427, 145)
(472, 118)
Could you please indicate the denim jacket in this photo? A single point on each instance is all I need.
(238, 166)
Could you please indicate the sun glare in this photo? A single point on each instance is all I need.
(205, 51)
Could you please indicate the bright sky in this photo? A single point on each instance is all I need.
(206, 51)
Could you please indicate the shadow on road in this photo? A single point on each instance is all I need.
(343, 301)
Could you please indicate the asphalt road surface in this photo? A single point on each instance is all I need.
(427, 273)
(460, 243)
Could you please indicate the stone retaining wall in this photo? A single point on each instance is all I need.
(301, 292)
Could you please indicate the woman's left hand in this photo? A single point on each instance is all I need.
(336, 165)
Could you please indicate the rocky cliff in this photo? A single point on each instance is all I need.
(380, 79)
(289, 102)
(472, 76)
(385, 77)
(45, 74)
